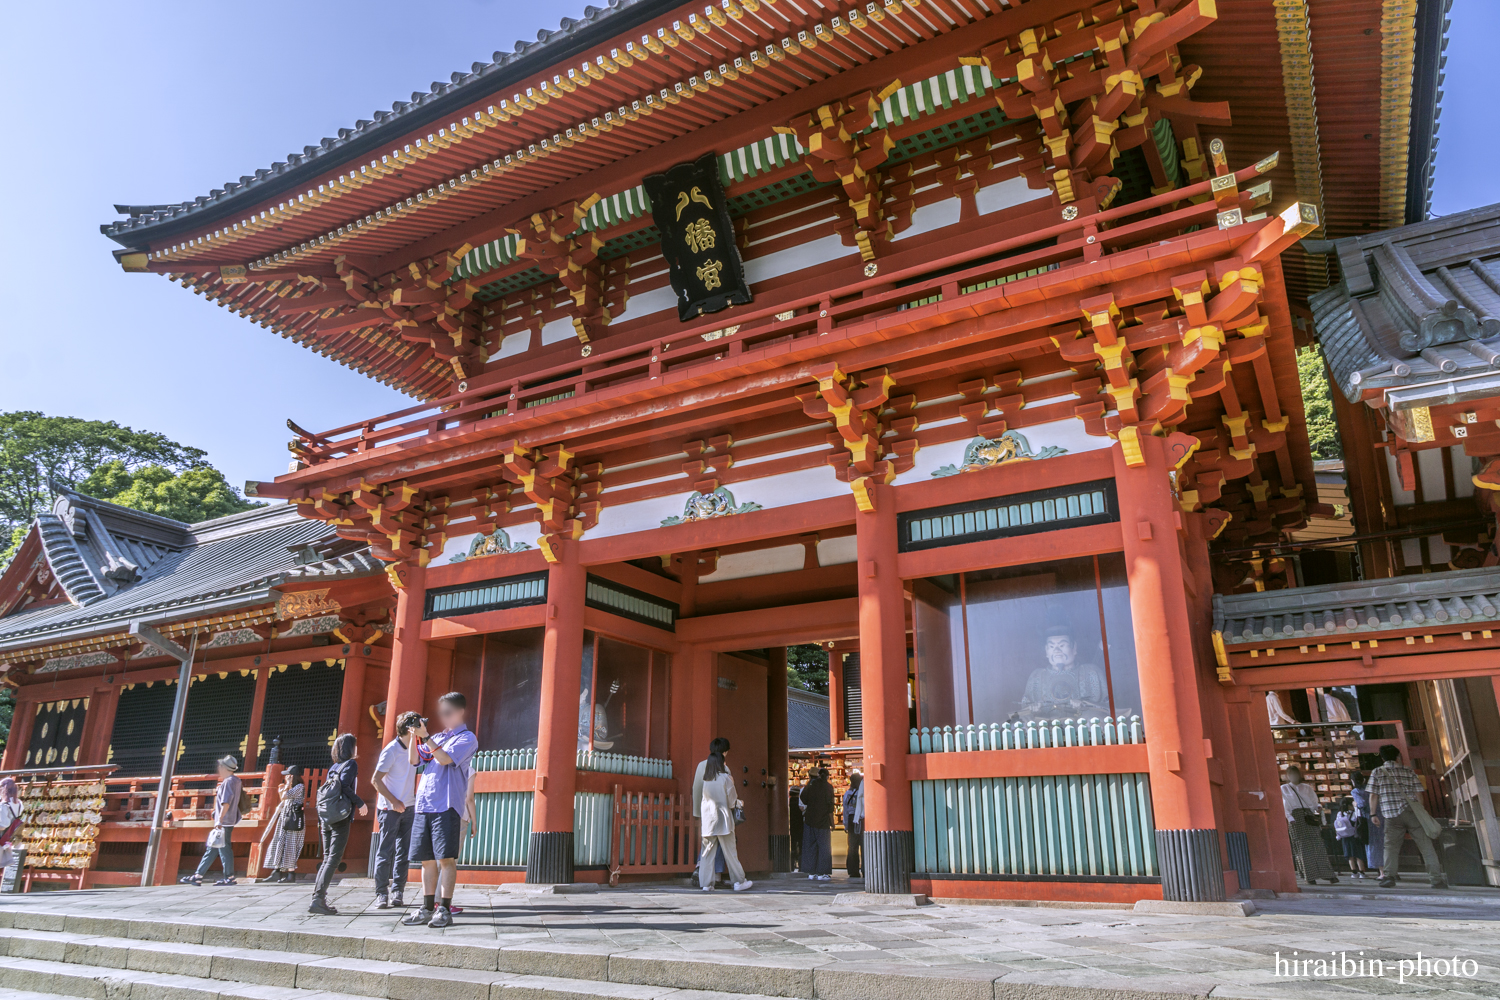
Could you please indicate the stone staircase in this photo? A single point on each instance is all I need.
(48, 954)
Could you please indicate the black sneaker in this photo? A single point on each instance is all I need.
(1387, 883)
(320, 905)
(381, 902)
(417, 918)
(1441, 883)
(441, 918)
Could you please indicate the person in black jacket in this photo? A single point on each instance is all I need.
(796, 827)
(345, 771)
(817, 826)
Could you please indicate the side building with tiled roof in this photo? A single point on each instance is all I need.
(286, 624)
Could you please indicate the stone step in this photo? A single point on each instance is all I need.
(421, 964)
(36, 978)
(8, 994)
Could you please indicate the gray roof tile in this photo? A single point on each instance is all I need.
(117, 564)
(1402, 602)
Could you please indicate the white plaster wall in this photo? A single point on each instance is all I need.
(811, 254)
(837, 551)
(1006, 194)
(771, 491)
(513, 344)
(759, 562)
(1067, 434)
(646, 303)
(558, 330)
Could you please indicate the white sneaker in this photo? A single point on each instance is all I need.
(812, 878)
(742, 886)
(706, 888)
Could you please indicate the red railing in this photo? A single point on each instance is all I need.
(800, 318)
(652, 833)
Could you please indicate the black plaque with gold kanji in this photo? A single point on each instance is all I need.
(697, 237)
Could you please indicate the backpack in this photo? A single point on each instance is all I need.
(246, 803)
(333, 802)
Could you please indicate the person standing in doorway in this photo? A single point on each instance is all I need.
(1373, 838)
(717, 805)
(1395, 797)
(817, 827)
(338, 802)
(443, 783)
(1346, 829)
(226, 815)
(1304, 824)
(794, 814)
(395, 782)
(854, 827)
(287, 830)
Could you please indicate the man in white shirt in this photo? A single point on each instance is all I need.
(395, 784)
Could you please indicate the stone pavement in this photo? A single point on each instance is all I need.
(790, 938)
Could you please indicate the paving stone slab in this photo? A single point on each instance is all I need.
(735, 975)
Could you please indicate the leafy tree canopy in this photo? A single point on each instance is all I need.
(139, 469)
(807, 668)
(1322, 427)
(192, 495)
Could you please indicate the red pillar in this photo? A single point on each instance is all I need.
(1187, 841)
(882, 647)
(408, 651)
(835, 696)
(776, 743)
(257, 716)
(550, 856)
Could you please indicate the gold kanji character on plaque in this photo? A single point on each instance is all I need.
(709, 274)
(699, 235)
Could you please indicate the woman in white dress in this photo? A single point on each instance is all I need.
(715, 801)
(281, 855)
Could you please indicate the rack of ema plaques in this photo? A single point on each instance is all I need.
(1064, 799)
(60, 829)
(503, 818)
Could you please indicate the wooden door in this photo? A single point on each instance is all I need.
(742, 721)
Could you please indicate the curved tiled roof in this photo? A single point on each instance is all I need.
(1417, 304)
(1403, 602)
(369, 135)
(221, 564)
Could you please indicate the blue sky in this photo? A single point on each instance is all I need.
(162, 101)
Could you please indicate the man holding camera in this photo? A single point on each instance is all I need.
(442, 763)
(395, 785)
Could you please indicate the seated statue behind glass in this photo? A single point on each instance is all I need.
(1064, 688)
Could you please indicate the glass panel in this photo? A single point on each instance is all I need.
(1045, 641)
(660, 715)
(622, 698)
(586, 693)
(938, 619)
(511, 690)
(1114, 594)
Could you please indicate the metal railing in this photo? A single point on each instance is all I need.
(1080, 240)
(1030, 735)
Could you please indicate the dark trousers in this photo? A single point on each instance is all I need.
(796, 847)
(853, 863)
(817, 857)
(395, 845)
(335, 839)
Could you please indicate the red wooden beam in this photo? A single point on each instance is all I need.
(1127, 758)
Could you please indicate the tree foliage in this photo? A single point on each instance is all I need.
(1317, 399)
(7, 712)
(807, 668)
(139, 469)
(196, 494)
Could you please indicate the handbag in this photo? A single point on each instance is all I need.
(215, 838)
(1430, 826)
(739, 815)
(294, 819)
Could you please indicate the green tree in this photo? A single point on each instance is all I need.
(140, 469)
(807, 668)
(7, 711)
(1317, 399)
(192, 495)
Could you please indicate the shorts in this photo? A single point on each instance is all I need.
(434, 837)
(1353, 847)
